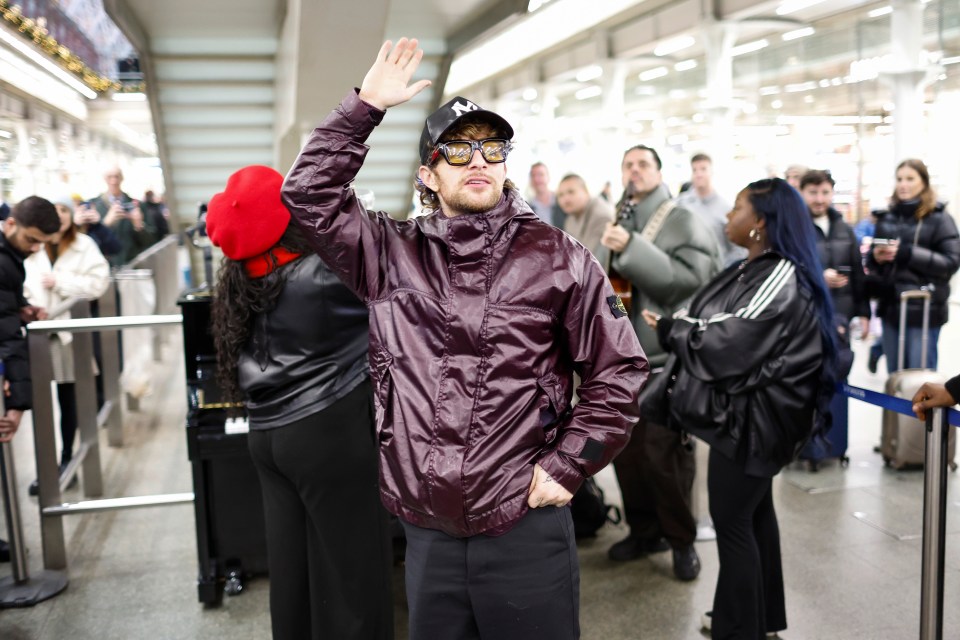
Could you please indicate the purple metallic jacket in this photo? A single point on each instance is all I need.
(476, 325)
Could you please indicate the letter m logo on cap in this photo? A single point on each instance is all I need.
(460, 109)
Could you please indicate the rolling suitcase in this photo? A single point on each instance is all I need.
(902, 437)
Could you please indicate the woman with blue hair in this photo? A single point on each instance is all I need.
(753, 372)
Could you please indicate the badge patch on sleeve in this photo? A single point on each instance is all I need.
(616, 306)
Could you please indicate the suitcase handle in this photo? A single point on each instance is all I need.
(906, 296)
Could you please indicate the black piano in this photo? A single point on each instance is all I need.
(231, 543)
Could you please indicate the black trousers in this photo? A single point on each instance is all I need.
(328, 549)
(523, 585)
(749, 599)
(656, 471)
(67, 398)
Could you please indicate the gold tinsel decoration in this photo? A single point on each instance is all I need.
(61, 54)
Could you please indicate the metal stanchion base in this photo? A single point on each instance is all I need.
(34, 589)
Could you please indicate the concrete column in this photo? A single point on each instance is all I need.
(718, 40)
(908, 74)
(614, 83)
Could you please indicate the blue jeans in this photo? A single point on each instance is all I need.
(912, 348)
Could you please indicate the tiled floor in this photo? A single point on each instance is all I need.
(851, 543)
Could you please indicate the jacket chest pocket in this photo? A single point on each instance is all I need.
(553, 405)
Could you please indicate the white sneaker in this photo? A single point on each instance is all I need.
(706, 620)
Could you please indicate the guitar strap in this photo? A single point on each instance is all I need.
(655, 223)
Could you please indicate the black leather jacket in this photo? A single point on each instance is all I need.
(929, 262)
(308, 352)
(750, 356)
(13, 344)
(840, 251)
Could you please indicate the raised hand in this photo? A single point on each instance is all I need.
(387, 83)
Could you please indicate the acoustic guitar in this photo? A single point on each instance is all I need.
(621, 286)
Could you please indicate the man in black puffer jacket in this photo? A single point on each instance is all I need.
(31, 223)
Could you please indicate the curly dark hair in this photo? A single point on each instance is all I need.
(237, 299)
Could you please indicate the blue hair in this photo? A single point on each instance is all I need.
(791, 234)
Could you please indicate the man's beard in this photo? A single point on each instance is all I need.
(463, 203)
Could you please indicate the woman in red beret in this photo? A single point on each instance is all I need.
(292, 345)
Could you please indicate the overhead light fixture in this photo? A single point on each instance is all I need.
(587, 74)
(769, 91)
(749, 47)
(129, 97)
(653, 74)
(950, 60)
(882, 11)
(798, 33)
(672, 46)
(530, 94)
(798, 87)
(533, 5)
(588, 92)
(792, 6)
(686, 65)
(776, 104)
(5, 134)
(17, 43)
(532, 34)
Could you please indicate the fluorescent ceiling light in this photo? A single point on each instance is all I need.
(798, 33)
(588, 92)
(749, 47)
(5, 134)
(17, 43)
(686, 65)
(769, 91)
(950, 60)
(653, 74)
(587, 74)
(792, 6)
(797, 87)
(550, 25)
(533, 5)
(672, 46)
(129, 97)
(882, 11)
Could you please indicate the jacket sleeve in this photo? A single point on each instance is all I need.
(953, 388)
(317, 192)
(941, 259)
(668, 278)
(613, 370)
(755, 332)
(861, 301)
(89, 279)
(106, 239)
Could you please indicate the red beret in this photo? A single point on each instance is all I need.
(248, 218)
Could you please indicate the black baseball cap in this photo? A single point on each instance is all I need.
(444, 118)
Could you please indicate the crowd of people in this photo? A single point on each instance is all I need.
(53, 249)
(465, 371)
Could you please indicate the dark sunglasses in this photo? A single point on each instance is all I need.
(460, 152)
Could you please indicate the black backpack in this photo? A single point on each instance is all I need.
(589, 510)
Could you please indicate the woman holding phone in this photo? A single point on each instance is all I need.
(916, 246)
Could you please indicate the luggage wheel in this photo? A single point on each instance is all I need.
(844, 461)
(233, 585)
(887, 461)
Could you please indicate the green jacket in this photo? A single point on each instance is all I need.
(667, 272)
(132, 242)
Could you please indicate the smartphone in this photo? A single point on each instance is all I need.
(128, 206)
(844, 271)
(885, 241)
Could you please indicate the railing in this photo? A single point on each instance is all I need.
(934, 503)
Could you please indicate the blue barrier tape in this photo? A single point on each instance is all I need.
(889, 402)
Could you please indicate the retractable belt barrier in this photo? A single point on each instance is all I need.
(934, 502)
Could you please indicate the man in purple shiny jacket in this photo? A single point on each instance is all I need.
(479, 316)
